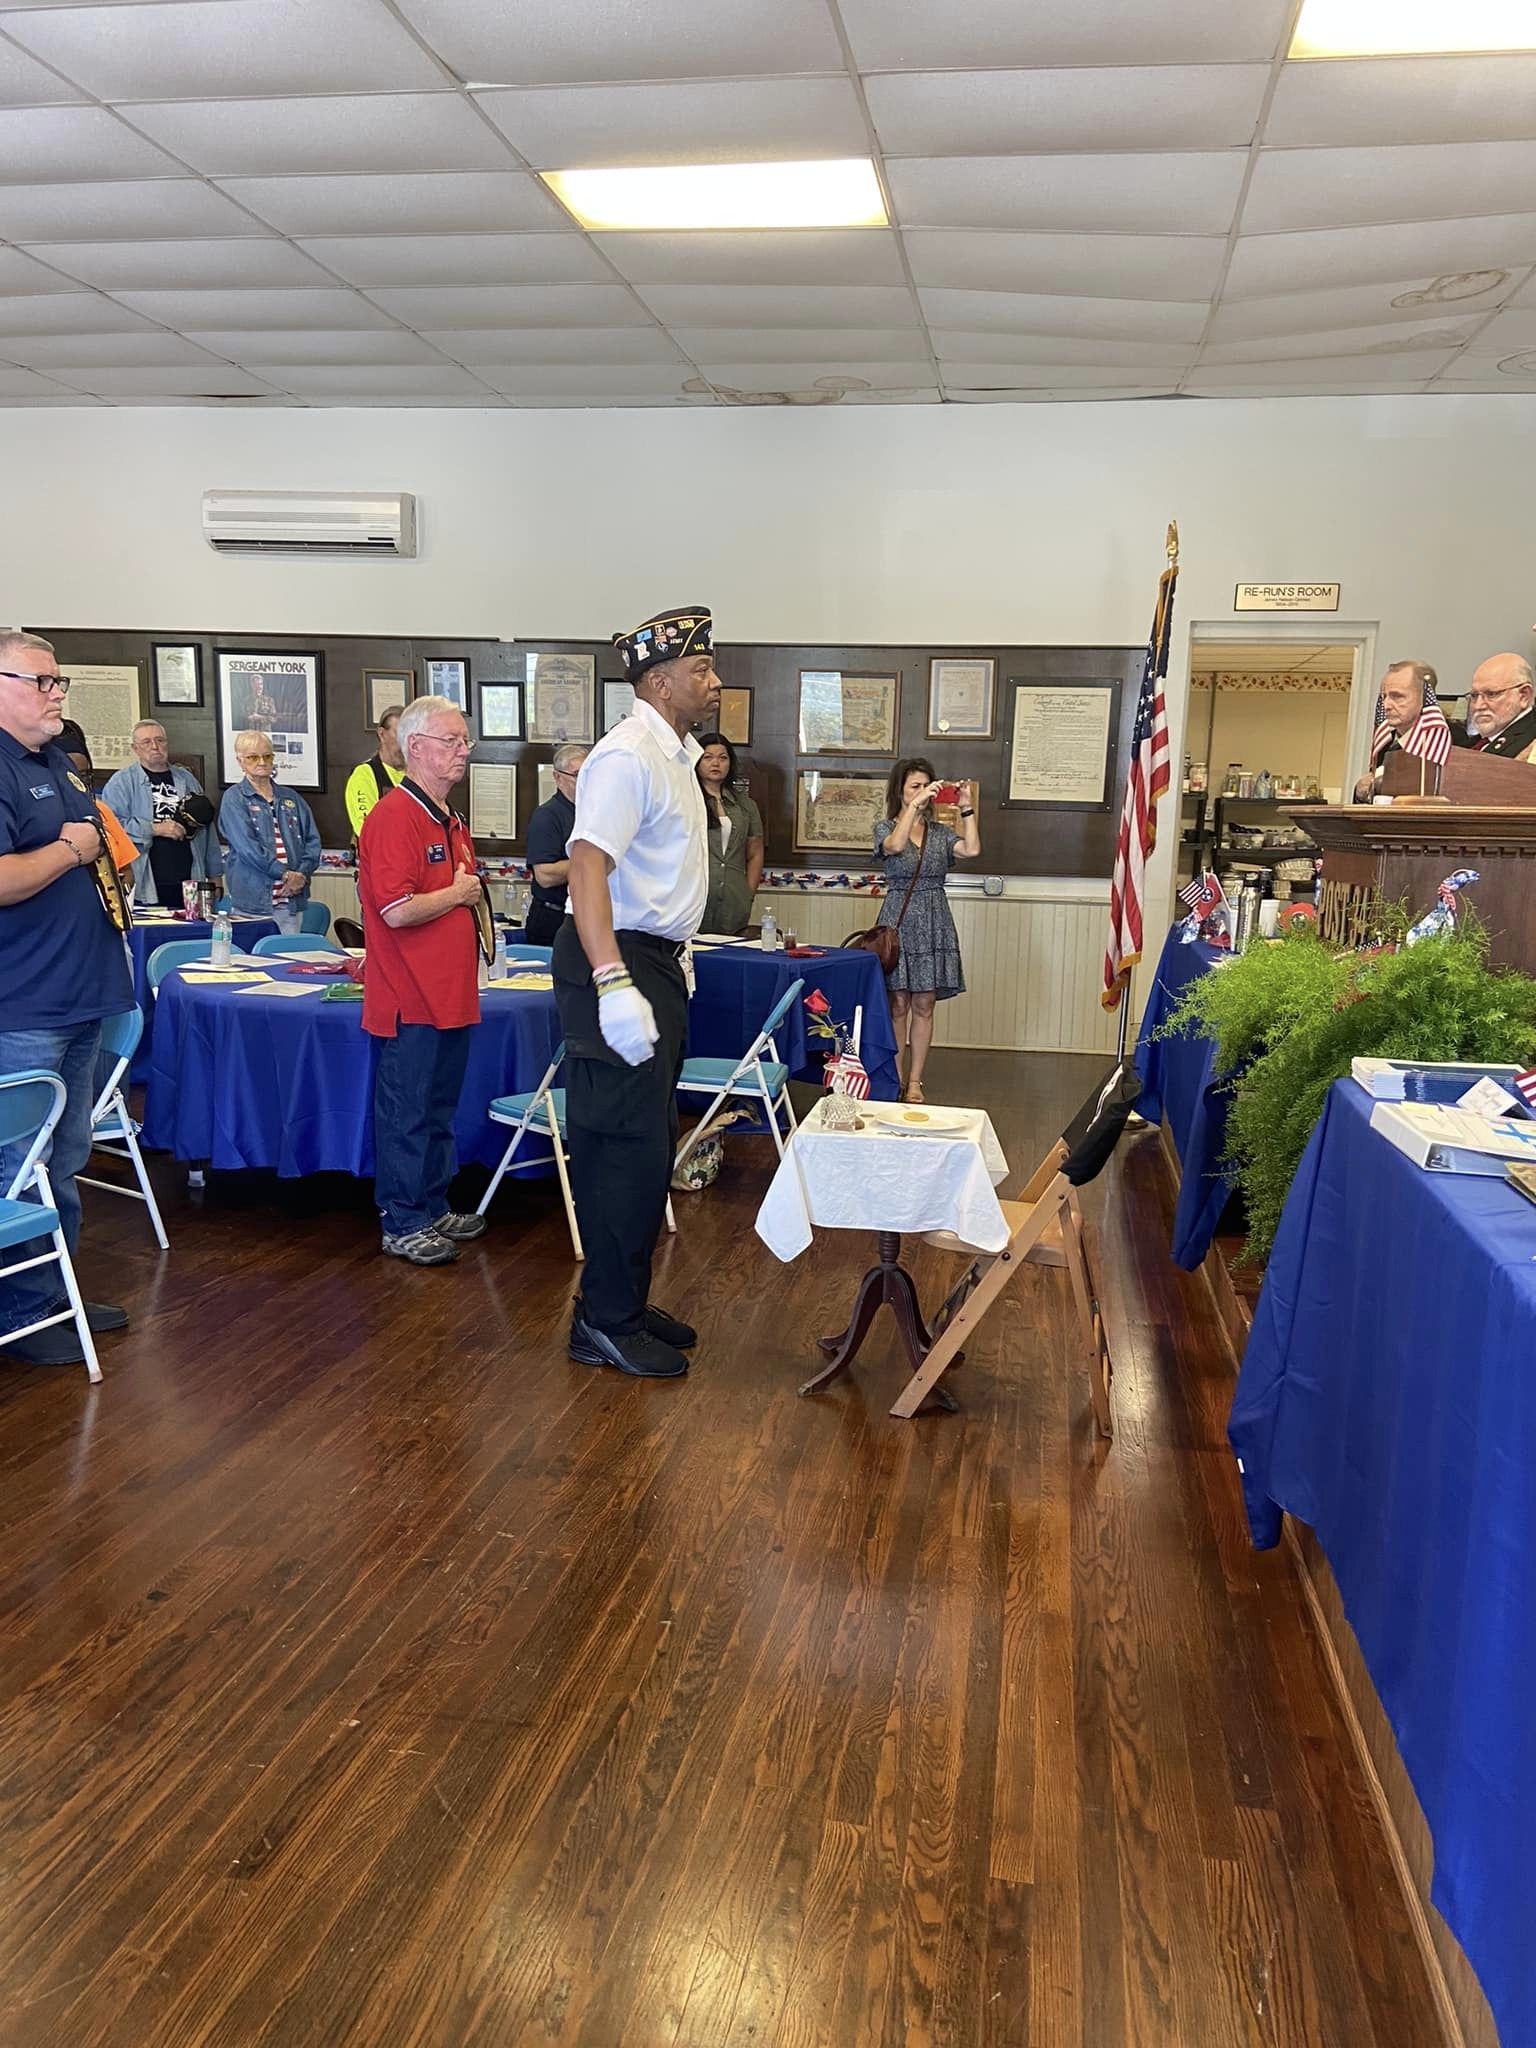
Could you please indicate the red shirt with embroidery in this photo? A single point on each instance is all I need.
(418, 973)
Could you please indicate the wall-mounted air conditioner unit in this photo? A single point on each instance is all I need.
(310, 522)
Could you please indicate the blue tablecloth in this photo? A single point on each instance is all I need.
(253, 1081)
(1387, 1399)
(1179, 1088)
(738, 985)
(143, 938)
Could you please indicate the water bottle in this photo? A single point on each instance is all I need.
(499, 961)
(223, 934)
(768, 933)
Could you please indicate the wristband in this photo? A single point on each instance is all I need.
(611, 984)
(611, 967)
(968, 814)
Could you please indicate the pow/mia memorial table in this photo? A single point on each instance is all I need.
(285, 1083)
(893, 1177)
(1388, 1400)
(1180, 1088)
(737, 985)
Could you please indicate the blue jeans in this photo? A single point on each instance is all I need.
(71, 1054)
(415, 1096)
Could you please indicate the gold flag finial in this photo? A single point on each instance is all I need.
(1173, 543)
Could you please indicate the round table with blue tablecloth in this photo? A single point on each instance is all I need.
(738, 985)
(148, 932)
(248, 1079)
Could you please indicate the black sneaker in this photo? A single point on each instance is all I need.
(641, 1355)
(421, 1248)
(105, 1315)
(459, 1229)
(681, 1336)
(57, 1345)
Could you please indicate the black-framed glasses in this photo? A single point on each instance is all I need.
(44, 683)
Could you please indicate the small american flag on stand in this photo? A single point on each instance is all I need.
(844, 1074)
(1429, 736)
(1146, 782)
(1525, 1088)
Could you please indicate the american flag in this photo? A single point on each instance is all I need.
(845, 1074)
(1429, 736)
(1145, 783)
(1525, 1088)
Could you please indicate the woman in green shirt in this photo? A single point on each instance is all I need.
(735, 838)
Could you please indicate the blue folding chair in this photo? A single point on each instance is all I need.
(541, 1113)
(175, 953)
(315, 918)
(296, 942)
(529, 956)
(113, 1129)
(759, 1079)
(31, 1104)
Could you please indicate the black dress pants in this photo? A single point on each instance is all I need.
(621, 1124)
(542, 923)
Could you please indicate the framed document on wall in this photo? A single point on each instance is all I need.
(736, 716)
(384, 687)
(960, 695)
(562, 691)
(618, 702)
(838, 813)
(104, 700)
(280, 695)
(1061, 744)
(178, 668)
(501, 711)
(842, 714)
(449, 677)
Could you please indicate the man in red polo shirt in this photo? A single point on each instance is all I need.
(417, 880)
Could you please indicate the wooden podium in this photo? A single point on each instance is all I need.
(1482, 815)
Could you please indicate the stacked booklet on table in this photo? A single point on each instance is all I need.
(1426, 1080)
(1446, 1140)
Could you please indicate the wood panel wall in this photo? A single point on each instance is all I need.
(1014, 842)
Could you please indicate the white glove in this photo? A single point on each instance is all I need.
(627, 1021)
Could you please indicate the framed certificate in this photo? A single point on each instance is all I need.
(383, 687)
(736, 716)
(104, 700)
(837, 813)
(562, 689)
(960, 699)
(449, 678)
(501, 711)
(178, 669)
(618, 702)
(1061, 744)
(848, 714)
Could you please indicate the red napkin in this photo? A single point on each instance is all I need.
(804, 952)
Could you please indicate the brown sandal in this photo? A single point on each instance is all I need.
(913, 1092)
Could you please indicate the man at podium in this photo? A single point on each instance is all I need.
(1501, 709)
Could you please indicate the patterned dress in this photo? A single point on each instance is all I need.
(930, 945)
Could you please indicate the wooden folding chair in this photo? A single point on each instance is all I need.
(1045, 1228)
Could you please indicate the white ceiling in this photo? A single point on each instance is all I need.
(332, 202)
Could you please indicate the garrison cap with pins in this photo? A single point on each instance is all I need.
(669, 636)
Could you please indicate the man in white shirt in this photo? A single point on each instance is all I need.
(639, 875)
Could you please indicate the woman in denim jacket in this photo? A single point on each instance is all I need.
(254, 817)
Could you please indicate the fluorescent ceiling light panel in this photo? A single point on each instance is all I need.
(1398, 28)
(844, 193)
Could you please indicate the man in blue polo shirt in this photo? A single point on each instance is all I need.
(63, 967)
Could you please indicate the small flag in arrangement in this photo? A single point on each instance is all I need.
(1525, 1088)
(845, 1074)
(1429, 736)
(1146, 782)
(1203, 895)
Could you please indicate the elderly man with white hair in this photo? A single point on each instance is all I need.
(1501, 709)
(418, 881)
(149, 799)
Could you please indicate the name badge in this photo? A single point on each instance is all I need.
(437, 853)
(42, 789)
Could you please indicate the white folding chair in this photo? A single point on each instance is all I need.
(113, 1129)
(31, 1104)
(754, 1077)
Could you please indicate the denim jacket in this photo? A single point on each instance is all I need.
(252, 867)
(129, 797)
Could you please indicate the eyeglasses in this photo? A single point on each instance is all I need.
(259, 760)
(44, 683)
(1490, 696)
(441, 739)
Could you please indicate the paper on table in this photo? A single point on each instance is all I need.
(286, 988)
(523, 981)
(218, 977)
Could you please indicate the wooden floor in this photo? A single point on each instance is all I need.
(370, 1674)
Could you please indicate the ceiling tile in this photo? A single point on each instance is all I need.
(804, 344)
(1329, 188)
(19, 273)
(217, 380)
(550, 42)
(417, 401)
(1235, 383)
(765, 257)
(314, 345)
(1350, 306)
(372, 260)
(205, 49)
(25, 384)
(684, 121)
(41, 143)
(954, 395)
(1410, 367)
(953, 346)
(1404, 253)
(1347, 341)
(67, 313)
(1132, 194)
(1526, 295)
(1404, 99)
(182, 266)
(149, 209)
(492, 345)
(987, 113)
(383, 132)
(514, 305)
(552, 404)
(914, 35)
(278, 309)
(811, 376)
(1044, 376)
(381, 380)
(26, 83)
(1514, 329)
(152, 350)
(1022, 313)
(1107, 266)
(1497, 369)
(419, 203)
(748, 305)
(601, 383)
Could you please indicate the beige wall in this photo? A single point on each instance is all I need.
(1287, 732)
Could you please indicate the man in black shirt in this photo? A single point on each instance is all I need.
(549, 832)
